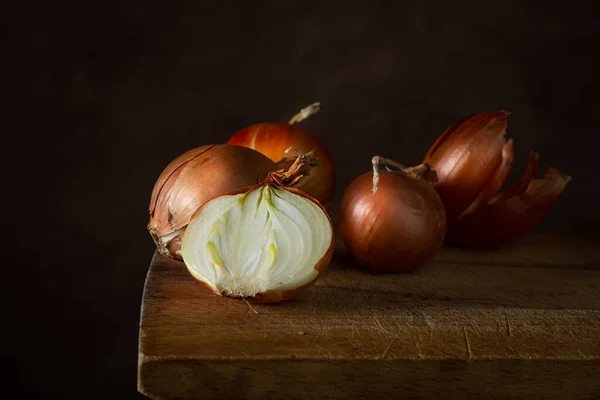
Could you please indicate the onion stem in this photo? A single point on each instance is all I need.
(292, 173)
(305, 113)
(421, 171)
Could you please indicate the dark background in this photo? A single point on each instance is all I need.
(103, 95)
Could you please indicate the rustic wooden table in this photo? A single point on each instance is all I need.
(519, 322)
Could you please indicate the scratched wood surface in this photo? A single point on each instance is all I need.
(519, 322)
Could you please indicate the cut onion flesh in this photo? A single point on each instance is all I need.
(265, 240)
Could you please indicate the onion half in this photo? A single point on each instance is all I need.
(265, 243)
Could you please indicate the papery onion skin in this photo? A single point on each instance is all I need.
(466, 157)
(192, 179)
(513, 212)
(273, 296)
(273, 139)
(398, 228)
(472, 160)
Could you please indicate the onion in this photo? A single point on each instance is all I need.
(472, 160)
(274, 139)
(265, 243)
(392, 220)
(193, 178)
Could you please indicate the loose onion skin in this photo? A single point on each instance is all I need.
(397, 228)
(466, 157)
(193, 178)
(472, 160)
(513, 212)
(229, 275)
(274, 139)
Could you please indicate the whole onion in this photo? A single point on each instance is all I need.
(392, 220)
(192, 179)
(274, 139)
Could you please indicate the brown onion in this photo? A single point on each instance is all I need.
(193, 178)
(472, 160)
(392, 220)
(274, 139)
(265, 243)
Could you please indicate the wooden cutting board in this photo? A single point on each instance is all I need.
(519, 322)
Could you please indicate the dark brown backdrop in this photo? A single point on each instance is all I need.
(105, 95)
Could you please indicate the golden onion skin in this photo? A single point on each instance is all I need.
(473, 159)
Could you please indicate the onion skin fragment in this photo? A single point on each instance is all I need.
(512, 213)
(490, 190)
(466, 157)
(193, 178)
(472, 161)
(398, 228)
(273, 139)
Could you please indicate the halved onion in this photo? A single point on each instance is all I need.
(264, 243)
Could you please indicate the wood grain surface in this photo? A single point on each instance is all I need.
(519, 322)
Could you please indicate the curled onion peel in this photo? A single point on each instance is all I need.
(472, 159)
(274, 139)
(265, 243)
(193, 178)
(512, 213)
(392, 220)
